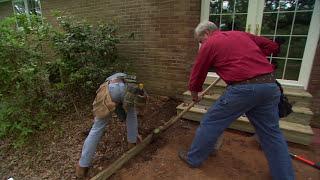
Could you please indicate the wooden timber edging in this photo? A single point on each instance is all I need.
(105, 174)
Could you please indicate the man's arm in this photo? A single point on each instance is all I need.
(200, 69)
(267, 46)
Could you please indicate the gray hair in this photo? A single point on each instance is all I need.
(203, 27)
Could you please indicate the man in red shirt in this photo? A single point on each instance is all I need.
(239, 58)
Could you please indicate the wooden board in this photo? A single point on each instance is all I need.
(105, 174)
(293, 132)
(300, 115)
(296, 95)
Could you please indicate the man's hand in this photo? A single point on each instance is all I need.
(195, 97)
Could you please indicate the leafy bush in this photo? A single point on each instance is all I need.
(23, 76)
(88, 55)
(37, 83)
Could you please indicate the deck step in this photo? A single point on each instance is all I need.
(300, 115)
(297, 95)
(297, 133)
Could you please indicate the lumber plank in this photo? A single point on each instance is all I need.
(288, 89)
(296, 94)
(300, 115)
(293, 132)
(105, 174)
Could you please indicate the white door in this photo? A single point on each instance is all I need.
(295, 21)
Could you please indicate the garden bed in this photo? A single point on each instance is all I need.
(53, 153)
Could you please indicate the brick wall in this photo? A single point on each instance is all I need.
(5, 9)
(163, 49)
(314, 87)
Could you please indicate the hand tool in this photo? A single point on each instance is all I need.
(306, 161)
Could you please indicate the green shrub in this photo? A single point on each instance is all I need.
(88, 54)
(37, 82)
(23, 83)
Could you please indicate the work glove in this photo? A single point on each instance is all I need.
(195, 97)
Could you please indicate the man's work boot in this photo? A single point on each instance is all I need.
(139, 139)
(217, 146)
(183, 155)
(81, 172)
(131, 145)
(256, 139)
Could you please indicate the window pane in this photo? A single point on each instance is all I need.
(268, 23)
(280, 66)
(215, 19)
(283, 47)
(215, 6)
(292, 69)
(227, 6)
(297, 47)
(306, 4)
(271, 5)
(19, 6)
(285, 23)
(34, 6)
(240, 22)
(287, 5)
(226, 23)
(242, 6)
(302, 22)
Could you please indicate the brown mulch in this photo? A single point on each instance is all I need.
(53, 153)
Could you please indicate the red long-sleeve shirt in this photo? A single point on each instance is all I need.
(235, 55)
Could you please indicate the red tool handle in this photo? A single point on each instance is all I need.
(313, 164)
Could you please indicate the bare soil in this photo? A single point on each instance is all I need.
(239, 158)
(52, 154)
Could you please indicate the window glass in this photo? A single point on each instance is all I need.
(27, 7)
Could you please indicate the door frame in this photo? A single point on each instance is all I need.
(253, 25)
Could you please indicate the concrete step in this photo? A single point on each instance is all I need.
(300, 115)
(293, 132)
(296, 95)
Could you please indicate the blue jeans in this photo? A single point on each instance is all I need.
(117, 91)
(260, 103)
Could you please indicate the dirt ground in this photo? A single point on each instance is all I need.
(239, 158)
(52, 154)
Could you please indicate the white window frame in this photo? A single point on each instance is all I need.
(254, 26)
(27, 10)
